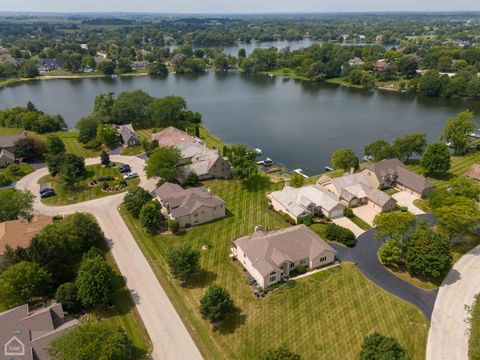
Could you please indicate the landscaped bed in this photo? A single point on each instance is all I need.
(90, 187)
(337, 306)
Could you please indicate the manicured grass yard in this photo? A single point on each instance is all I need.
(474, 343)
(24, 169)
(5, 131)
(325, 316)
(83, 191)
(72, 145)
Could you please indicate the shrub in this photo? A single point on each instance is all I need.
(67, 295)
(93, 144)
(13, 169)
(391, 253)
(4, 181)
(184, 262)
(307, 220)
(340, 234)
(349, 213)
(216, 304)
(377, 346)
(173, 225)
(105, 186)
(105, 178)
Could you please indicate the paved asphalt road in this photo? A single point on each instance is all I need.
(168, 334)
(364, 254)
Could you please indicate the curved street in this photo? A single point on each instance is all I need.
(364, 254)
(169, 337)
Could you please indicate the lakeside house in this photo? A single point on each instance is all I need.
(353, 190)
(19, 233)
(195, 157)
(299, 203)
(8, 142)
(6, 158)
(128, 135)
(392, 173)
(190, 207)
(474, 172)
(380, 65)
(49, 64)
(139, 65)
(270, 257)
(355, 63)
(25, 334)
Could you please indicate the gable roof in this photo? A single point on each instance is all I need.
(186, 201)
(171, 136)
(268, 250)
(33, 329)
(126, 132)
(19, 233)
(356, 186)
(395, 168)
(296, 200)
(9, 141)
(474, 172)
(202, 158)
(4, 153)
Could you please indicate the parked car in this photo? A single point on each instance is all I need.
(47, 193)
(124, 169)
(131, 175)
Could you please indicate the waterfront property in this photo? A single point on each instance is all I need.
(27, 334)
(8, 142)
(6, 157)
(189, 207)
(171, 136)
(353, 190)
(128, 135)
(391, 173)
(269, 257)
(299, 203)
(206, 163)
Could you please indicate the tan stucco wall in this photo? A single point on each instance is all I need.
(205, 214)
(330, 255)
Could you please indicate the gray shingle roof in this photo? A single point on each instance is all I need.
(186, 201)
(9, 141)
(267, 250)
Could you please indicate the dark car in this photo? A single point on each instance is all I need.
(47, 193)
(124, 169)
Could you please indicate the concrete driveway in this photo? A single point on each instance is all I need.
(167, 332)
(405, 199)
(349, 224)
(449, 331)
(366, 213)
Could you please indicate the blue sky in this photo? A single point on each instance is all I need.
(238, 6)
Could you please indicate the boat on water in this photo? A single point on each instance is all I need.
(114, 76)
(266, 162)
(328, 168)
(368, 158)
(259, 151)
(300, 172)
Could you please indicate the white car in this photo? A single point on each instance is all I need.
(131, 175)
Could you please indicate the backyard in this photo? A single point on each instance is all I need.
(337, 306)
(84, 190)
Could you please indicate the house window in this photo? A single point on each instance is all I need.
(273, 278)
(195, 215)
(323, 259)
(303, 261)
(292, 265)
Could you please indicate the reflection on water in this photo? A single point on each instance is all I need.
(295, 122)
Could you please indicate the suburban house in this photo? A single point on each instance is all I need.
(474, 172)
(390, 173)
(380, 65)
(25, 334)
(49, 64)
(196, 157)
(19, 233)
(171, 136)
(128, 135)
(353, 191)
(143, 64)
(355, 63)
(269, 257)
(8, 142)
(189, 207)
(6, 158)
(206, 163)
(299, 203)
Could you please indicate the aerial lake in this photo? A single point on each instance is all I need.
(299, 124)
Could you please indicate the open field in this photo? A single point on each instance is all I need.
(83, 191)
(338, 306)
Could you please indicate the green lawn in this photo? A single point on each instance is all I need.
(325, 316)
(72, 145)
(5, 131)
(474, 343)
(83, 191)
(24, 169)
(124, 314)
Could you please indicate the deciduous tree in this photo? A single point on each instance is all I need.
(163, 163)
(345, 159)
(216, 304)
(134, 200)
(184, 262)
(456, 131)
(436, 158)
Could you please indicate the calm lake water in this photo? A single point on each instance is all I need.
(296, 123)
